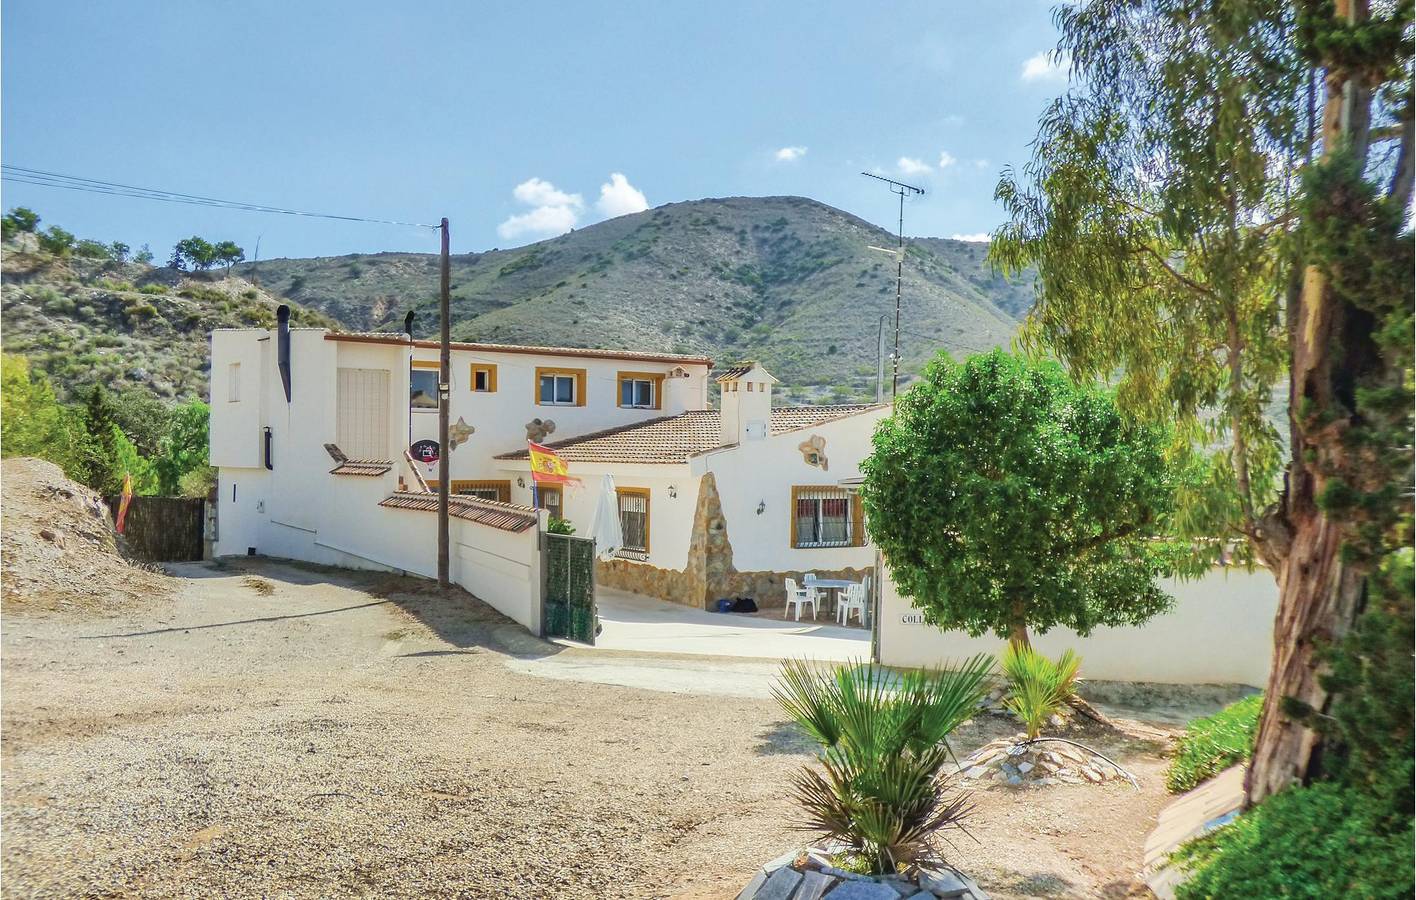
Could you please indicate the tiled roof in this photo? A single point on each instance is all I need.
(736, 371)
(506, 516)
(674, 439)
(369, 467)
(398, 337)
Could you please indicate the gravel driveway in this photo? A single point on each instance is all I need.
(272, 730)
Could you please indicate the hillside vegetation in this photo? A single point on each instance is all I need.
(83, 321)
(786, 280)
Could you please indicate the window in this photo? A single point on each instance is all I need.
(483, 489)
(484, 379)
(640, 390)
(634, 521)
(825, 517)
(233, 383)
(423, 390)
(560, 387)
(549, 497)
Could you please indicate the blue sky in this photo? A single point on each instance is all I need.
(515, 120)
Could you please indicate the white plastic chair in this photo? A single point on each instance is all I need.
(853, 601)
(799, 597)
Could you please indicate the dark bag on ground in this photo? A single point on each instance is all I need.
(744, 605)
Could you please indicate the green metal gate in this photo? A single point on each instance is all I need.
(568, 594)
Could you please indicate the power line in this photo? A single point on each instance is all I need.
(42, 178)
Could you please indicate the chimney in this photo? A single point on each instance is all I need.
(678, 392)
(745, 402)
(282, 345)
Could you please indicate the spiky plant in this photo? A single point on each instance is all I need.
(884, 738)
(1038, 686)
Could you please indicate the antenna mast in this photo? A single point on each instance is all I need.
(900, 189)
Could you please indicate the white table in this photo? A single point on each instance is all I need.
(834, 585)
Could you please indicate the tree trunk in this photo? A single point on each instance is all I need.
(1018, 626)
(1319, 594)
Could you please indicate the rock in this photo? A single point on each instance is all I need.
(1091, 775)
(976, 772)
(1055, 721)
(779, 885)
(813, 885)
(902, 887)
(1015, 779)
(922, 895)
(786, 859)
(1008, 769)
(843, 874)
(944, 883)
(862, 890)
(1025, 767)
(750, 891)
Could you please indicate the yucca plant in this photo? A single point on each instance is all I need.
(1038, 686)
(884, 736)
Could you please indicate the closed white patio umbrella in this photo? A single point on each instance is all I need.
(605, 528)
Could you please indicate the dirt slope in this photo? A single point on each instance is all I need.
(59, 549)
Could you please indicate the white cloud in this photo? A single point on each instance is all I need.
(1045, 66)
(620, 198)
(790, 154)
(980, 237)
(946, 159)
(553, 211)
(980, 164)
(908, 165)
(538, 192)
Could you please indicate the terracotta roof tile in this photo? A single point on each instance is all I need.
(506, 516)
(674, 439)
(398, 337)
(366, 467)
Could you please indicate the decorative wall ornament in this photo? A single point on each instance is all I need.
(537, 430)
(458, 433)
(813, 450)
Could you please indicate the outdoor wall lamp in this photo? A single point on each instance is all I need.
(761, 507)
(521, 482)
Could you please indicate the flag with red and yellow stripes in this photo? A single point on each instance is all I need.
(547, 467)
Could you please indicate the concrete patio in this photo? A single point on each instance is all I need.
(644, 624)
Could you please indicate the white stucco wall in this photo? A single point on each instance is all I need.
(764, 471)
(1220, 632)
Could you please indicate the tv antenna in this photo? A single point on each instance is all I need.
(902, 190)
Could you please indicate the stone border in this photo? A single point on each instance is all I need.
(808, 875)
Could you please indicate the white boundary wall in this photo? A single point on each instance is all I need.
(1220, 632)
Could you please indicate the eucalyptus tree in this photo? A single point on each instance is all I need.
(1211, 228)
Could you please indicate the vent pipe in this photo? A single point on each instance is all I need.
(282, 346)
(408, 324)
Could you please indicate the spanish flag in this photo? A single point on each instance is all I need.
(547, 467)
(124, 503)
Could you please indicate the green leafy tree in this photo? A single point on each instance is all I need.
(194, 252)
(144, 255)
(184, 448)
(228, 254)
(57, 241)
(34, 423)
(92, 249)
(118, 251)
(1004, 496)
(100, 419)
(22, 218)
(143, 417)
(1217, 207)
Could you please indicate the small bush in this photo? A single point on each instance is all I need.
(1038, 686)
(153, 289)
(557, 525)
(1320, 841)
(1214, 743)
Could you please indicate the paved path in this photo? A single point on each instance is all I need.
(637, 623)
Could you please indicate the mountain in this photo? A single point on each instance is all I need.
(89, 321)
(789, 281)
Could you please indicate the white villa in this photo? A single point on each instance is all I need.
(320, 438)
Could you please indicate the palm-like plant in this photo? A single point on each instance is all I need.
(1038, 686)
(885, 747)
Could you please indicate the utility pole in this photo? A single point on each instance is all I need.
(901, 189)
(444, 396)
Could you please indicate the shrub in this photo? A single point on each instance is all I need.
(57, 241)
(1214, 743)
(1319, 841)
(885, 749)
(557, 525)
(1038, 686)
(153, 289)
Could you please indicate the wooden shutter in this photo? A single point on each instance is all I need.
(361, 413)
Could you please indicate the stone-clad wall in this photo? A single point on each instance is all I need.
(710, 573)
